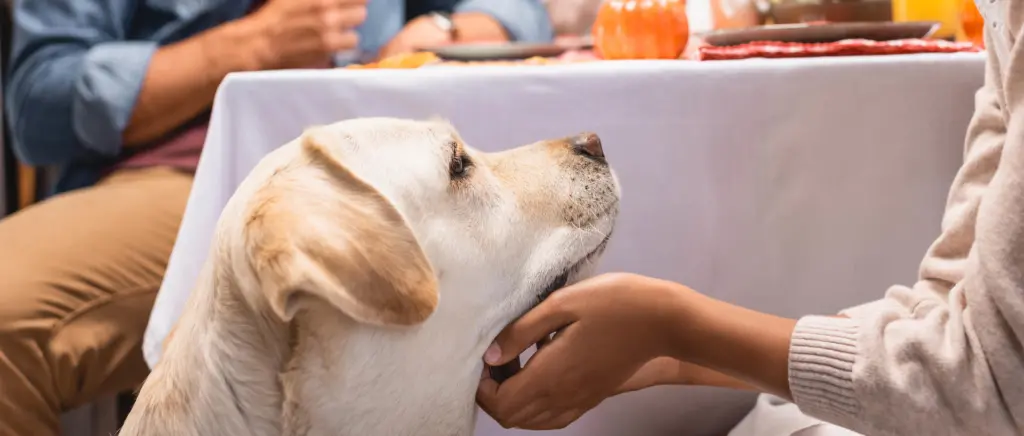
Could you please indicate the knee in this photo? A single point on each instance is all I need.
(27, 317)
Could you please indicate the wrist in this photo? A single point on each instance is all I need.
(243, 43)
(443, 21)
(676, 315)
(750, 346)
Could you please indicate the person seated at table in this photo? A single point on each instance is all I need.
(115, 94)
(942, 357)
(572, 18)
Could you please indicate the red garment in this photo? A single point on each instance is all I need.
(846, 47)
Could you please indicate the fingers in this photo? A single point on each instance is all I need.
(341, 41)
(535, 415)
(487, 394)
(494, 400)
(528, 330)
(506, 371)
(344, 18)
(545, 341)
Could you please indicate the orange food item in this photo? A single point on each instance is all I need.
(972, 25)
(417, 60)
(734, 14)
(402, 61)
(641, 29)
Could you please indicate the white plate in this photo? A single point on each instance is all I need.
(503, 51)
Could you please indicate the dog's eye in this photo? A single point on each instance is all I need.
(459, 166)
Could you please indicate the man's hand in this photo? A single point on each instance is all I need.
(609, 328)
(304, 33)
(183, 77)
(423, 32)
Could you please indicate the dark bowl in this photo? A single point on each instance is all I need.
(838, 11)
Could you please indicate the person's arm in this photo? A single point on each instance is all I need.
(663, 371)
(182, 79)
(920, 361)
(476, 21)
(76, 80)
(516, 20)
(573, 17)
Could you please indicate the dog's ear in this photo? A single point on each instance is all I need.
(316, 233)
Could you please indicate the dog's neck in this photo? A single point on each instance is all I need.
(393, 381)
(241, 371)
(220, 373)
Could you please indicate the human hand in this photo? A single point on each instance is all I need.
(421, 32)
(304, 33)
(609, 329)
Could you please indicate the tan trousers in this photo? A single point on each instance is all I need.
(78, 276)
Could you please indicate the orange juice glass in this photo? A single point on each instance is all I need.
(972, 25)
(946, 12)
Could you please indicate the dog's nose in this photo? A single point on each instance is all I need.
(588, 144)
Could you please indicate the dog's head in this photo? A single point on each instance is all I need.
(374, 215)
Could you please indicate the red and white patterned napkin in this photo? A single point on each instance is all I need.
(846, 47)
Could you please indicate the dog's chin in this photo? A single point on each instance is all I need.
(579, 270)
(575, 272)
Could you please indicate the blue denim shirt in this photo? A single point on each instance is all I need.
(77, 65)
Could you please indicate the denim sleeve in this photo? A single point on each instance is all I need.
(74, 78)
(524, 20)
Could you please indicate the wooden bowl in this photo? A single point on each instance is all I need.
(839, 11)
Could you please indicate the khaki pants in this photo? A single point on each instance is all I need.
(78, 276)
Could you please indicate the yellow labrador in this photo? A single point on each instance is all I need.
(359, 273)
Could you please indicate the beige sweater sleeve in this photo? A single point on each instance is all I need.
(945, 357)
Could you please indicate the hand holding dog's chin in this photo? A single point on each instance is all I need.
(609, 328)
(623, 332)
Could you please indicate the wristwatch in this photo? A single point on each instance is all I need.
(443, 20)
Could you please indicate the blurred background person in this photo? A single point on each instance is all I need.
(572, 18)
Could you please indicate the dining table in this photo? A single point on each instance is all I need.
(790, 186)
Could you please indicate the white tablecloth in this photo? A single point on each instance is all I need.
(789, 186)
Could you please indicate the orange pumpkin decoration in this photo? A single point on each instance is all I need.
(641, 29)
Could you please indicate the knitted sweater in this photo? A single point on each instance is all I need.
(946, 356)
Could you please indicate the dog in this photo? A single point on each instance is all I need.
(359, 273)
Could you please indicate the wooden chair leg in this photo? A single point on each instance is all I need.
(27, 184)
(104, 416)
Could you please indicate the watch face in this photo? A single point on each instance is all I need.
(443, 20)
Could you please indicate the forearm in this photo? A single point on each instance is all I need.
(709, 377)
(182, 79)
(668, 370)
(478, 26)
(515, 20)
(741, 347)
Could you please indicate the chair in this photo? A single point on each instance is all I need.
(10, 167)
(21, 184)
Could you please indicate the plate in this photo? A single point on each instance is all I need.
(825, 32)
(500, 51)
